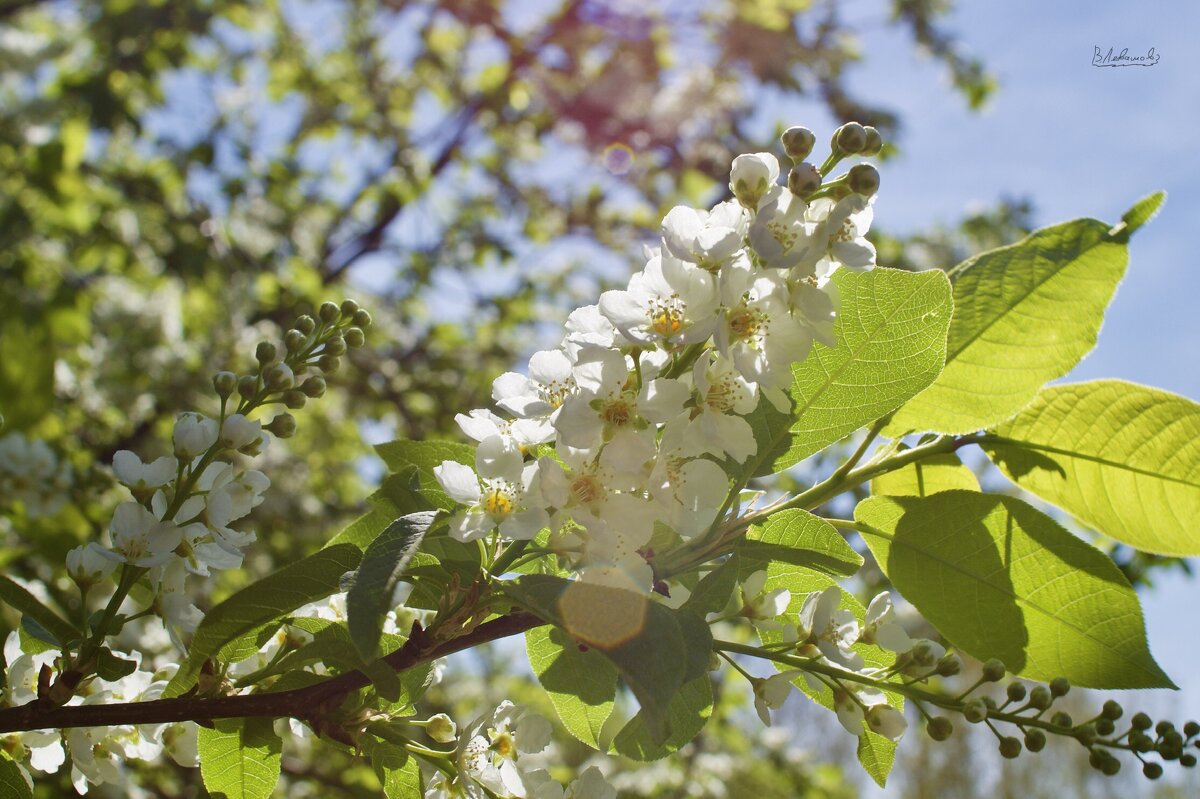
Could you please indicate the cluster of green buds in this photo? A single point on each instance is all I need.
(282, 376)
(808, 181)
(1031, 712)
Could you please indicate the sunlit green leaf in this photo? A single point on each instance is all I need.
(240, 758)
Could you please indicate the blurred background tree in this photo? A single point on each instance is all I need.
(180, 179)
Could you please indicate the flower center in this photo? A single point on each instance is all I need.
(587, 489)
(498, 501)
(666, 315)
(618, 412)
(746, 323)
(556, 392)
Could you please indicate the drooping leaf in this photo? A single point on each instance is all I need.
(398, 773)
(277, 594)
(1122, 458)
(891, 344)
(1001, 579)
(942, 472)
(240, 758)
(59, 629)
(1024, 314)
(423, 456)
(644, 640)
(370, 597)
(580, 681)
(714, 590)
(798, 538)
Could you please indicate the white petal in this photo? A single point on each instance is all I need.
(459, 481)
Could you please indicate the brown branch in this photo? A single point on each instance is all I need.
(306, 704)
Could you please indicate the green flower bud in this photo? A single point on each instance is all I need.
(1111, 766)
(798, 142)
(1188, 760)
(1152, 771)
(1164, 727)
(939, 728)
(247, 386)
(803, 179)
(313, 387)
(1016, 691)
(362, 318)
(975, 711)
(1141, 721)
(336, 345)
(1112, 710)
(1010, 747)
(294, 399)
(265, 352)
(1040, 698)
(1105, 727)
(993, 670)
(1141, 742)
(355, 337)
(224, 383)
(329, 363)
(349, 308)
(850, 138)
(1191, 729)
(1035, 740)
(328, 312)
(282, 426)
(306, 324)
(1087, 734)
(864, 179)
(279, 376)
(922, 654)
(1060, 686)
(1173, 739)
(1061, 719)
(294, 340)
(949, 665)
(874, 142)
(441, 729)
(987, 700)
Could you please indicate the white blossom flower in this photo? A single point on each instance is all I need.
(706, 238)
(758, 332)
(771, 693)
(725, 397)
(886, 721)
(140, 538)
(138, 476)
(499, 492)
(549, 383)
(752, 176)
(690, 489)
(31, 474)
(89, 564)
(587, 327)
(814, 304)
(834, 630)
(194, 434)
(781, 237)
(841, 234)
(670, 302)
(590, 784)
(491, 747)
(883, 628)
(521, 434)
(758, 604)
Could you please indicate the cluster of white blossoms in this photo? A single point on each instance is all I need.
(647, 393)
(487, 760)
(32, 475)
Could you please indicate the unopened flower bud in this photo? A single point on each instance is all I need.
(362, 318)
(975, 711)
(1062, 719)
(993, 670)
(224, 383)
(850, 138)
(1087, 734)
(864, 179)
(804, 179)
(874, 142)
(1141, 742)
(279, 376)
(1112, 710)
(939, 728)
(1010, 747)
(1035, 740)
(1191, 729)
(752, 176)
(306, 324)
(1141, 721)
(294, 398)
(1152, 771)
(194, 433)
(313, 387)
(798, 142)
(328, 312)
(923, 654)
(1188, 760)
(349, 308)
(1164, 727)
(949, 665)
(1040, 698)
(1060, 686)
(1105, 727)
(354, 337)
(329, 363)
(265, 352)
(1016, 691)
(247, 386)
(336, 345)
(282, 426)
(294, 340)
(441, 729)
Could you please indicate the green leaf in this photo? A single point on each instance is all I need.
(891, 334)
(714, 591)
(399, 774)
(580, 681)
(937, 473)
(12, 781)
(1142, 212)
(14, 594)
(798, 538)
(644, 640)
(111, 667)
(877, 754)
(1024, 314)
(422, 457)
(1001, 579)
(1123, 458)
(277, 594)
(688, 712)
(370, 597)
(239, 758)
